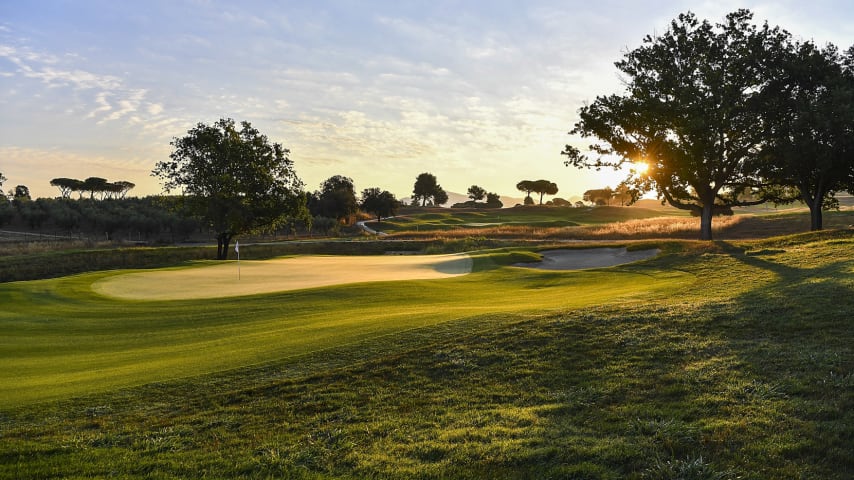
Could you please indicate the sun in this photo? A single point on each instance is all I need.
(640, 167)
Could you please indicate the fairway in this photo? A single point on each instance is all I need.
(63, 337)
(266, 276)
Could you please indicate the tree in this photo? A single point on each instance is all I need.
(599, 196)
(493, 200)
(233, 178)
(336, 199)
(544, 187)
(476, 193)
(625, 194)
(440, 197)
(94, 185)
(379, 203)
(65, 185)
(427, 189)
(526, 186)
(22, 192)
(692, 110)
(811, 123)
(122, 187)
(2, 179)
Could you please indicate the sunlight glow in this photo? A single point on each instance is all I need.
(640, 168)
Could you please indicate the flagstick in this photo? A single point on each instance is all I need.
(237, 249)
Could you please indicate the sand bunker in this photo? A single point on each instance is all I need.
(588, 258)
(277, 275)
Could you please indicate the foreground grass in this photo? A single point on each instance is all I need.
(748, 373)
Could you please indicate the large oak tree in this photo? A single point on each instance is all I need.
(692, 110)
(810, 155)
(234, 178)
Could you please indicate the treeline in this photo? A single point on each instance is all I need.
(623, 195)
(94, 186)
(477, 194)
(150, 219)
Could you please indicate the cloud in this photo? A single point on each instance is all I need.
(103, 105)
(154, 108)
(39, 66)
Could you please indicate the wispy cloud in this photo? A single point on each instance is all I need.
(40, 66)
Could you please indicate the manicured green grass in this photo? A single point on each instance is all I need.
(536, 216)
(61, 339)
(745, 371)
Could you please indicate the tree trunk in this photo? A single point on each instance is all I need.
(815, 215)
(815, 204)
(706, 221)
(222, 241)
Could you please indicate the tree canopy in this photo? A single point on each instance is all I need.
(810, 123)
(21, 192)
(93, 185)
(335, 199)
(476, 193)
(599, 196)
(691, 111)
(526, 186)
(543, 187)
(493, 200)
(234, 178)
(427, 190)
(380, 203)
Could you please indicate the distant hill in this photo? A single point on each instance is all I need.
(454, 197)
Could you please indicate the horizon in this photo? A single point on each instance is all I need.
(378, 92)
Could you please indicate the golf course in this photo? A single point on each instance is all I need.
(534, 240)
(720, 359)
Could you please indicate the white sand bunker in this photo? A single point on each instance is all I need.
(266, 276)
(588, 258)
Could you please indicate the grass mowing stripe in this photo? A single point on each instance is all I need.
(63, 340)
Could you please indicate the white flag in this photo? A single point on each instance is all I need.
(237, 246)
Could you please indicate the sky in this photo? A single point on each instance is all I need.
(474, 92)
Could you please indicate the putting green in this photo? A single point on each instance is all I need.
(278, 275)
